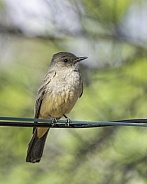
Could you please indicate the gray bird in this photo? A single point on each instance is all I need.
(60, 90)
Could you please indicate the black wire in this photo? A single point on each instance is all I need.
(29, 122)
(57, 125)
(132, 120)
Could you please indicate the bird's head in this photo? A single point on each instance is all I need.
(65, 59)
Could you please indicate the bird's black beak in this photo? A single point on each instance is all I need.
(78, 59)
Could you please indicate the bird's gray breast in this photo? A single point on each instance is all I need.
(66, 81)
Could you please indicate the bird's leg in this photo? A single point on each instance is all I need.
(68, 121)
(54, 121)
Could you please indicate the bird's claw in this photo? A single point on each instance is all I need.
(54, 121)
(68, 121)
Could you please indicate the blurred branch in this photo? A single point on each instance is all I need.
(10, 30)
(14, 31)
(116, 36)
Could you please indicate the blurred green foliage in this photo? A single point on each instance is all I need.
(115, 87)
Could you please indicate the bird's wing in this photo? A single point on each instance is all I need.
(42, 90)
(81, 87)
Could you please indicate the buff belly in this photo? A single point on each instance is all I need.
(61, 95)
(56, 104)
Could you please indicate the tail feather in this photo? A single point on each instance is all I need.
(35, 148)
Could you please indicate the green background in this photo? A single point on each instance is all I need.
(115, 87)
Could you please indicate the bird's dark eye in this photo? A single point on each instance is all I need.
(65, 60)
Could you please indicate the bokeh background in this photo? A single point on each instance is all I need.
(113, 35)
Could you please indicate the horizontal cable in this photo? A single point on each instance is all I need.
(29, 122)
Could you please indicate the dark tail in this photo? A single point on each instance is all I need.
(35, 148)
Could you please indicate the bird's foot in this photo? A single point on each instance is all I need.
(68, 121)
(54, 121)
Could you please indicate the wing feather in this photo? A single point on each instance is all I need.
(42, 90)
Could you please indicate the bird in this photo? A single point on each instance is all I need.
(59, 91)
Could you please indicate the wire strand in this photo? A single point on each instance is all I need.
(29, 122)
